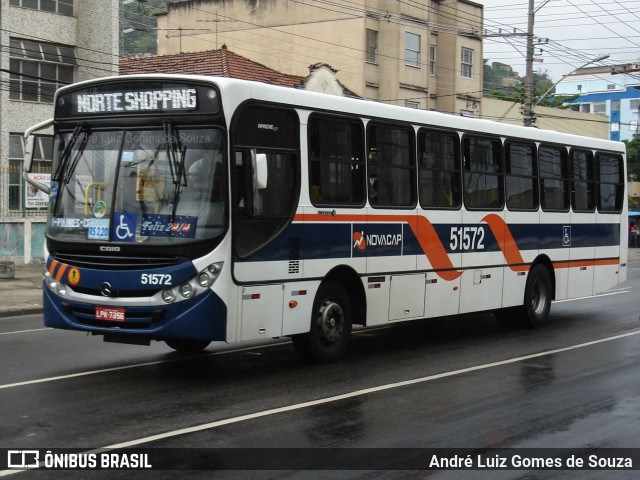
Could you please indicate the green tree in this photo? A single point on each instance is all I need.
(138, 26)
(494, 88)
(494, 76)
(633, 158)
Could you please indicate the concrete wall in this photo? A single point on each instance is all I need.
(289, 36)
(557, 119)
(93, 30)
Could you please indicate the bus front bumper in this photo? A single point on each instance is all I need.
(201, 318)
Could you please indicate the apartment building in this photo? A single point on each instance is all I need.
(613, 91)
(424, 54)
(46, 44)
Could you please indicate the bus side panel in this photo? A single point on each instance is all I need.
(582, 235)
(443, 266)
(328, 241)
(521, 243)
(261, 307)
(377, 289)
(608, 270)
(297, 306)
(481, 240)
(554, 245)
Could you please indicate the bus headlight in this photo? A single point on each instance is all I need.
(204, 280)
(168, 296)
(194, 286)
(51, 282)
(61, 289)
(186, 290)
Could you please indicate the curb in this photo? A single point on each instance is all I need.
(21, 311)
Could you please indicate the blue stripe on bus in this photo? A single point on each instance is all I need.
(343, 240)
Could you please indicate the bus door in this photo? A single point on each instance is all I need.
(480, 236)
(265, 164)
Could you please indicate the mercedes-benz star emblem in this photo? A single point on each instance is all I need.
(106, 289)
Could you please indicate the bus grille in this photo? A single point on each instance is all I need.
(117, 263)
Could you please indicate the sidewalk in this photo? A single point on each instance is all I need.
(22, 295)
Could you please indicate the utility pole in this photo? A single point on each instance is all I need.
(528, 78)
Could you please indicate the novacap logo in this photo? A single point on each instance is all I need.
(359, 240)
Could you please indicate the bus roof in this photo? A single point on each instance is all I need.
(247, 90)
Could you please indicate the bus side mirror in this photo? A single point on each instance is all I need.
(260, 171)
(29, 144)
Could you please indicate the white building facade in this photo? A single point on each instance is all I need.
(611, 91)
(46, 44)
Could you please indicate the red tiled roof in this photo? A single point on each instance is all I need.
(220, 63)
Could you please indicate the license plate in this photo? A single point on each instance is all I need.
(110, 314)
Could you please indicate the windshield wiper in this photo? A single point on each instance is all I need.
(176, 154)
(71, 168)
(62, 170)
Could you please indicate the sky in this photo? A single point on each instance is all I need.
(577, 32)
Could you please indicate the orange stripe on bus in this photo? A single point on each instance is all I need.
(506, 242)
(432, 247)
(435, 251)
(61, 270)
(52, 267)
(586, 263)
(422, 229)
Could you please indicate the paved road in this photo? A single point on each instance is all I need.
(459, 383)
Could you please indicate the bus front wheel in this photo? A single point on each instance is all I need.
(331, 322)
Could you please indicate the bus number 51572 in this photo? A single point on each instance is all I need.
(466, 238)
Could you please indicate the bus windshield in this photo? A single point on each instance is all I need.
(160, 186)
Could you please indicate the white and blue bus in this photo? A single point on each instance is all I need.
(191, 209)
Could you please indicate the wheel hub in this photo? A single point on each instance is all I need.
(331, 321)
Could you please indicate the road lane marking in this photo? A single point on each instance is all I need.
(253, 347)
(593, 296)
(335, 398)
(26, 331)
(135, 365)
(357, 393)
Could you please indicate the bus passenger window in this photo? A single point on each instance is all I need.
(483, 172)
(610, 182)
(554, 178)
(391, 166)
(261, 213)
(521, 176)
(336, 162)
(582, 181)
(439, 169)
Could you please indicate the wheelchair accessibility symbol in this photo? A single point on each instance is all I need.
(125, 227)
(566, 236)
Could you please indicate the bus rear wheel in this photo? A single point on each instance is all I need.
(187, 346)
(537, 297)
(534, 311)
(331, 323)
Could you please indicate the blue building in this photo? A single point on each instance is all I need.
(613, 91)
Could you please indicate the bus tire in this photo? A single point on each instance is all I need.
(537, 297)
(534, 311)
(187, 346)
(331, 323)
